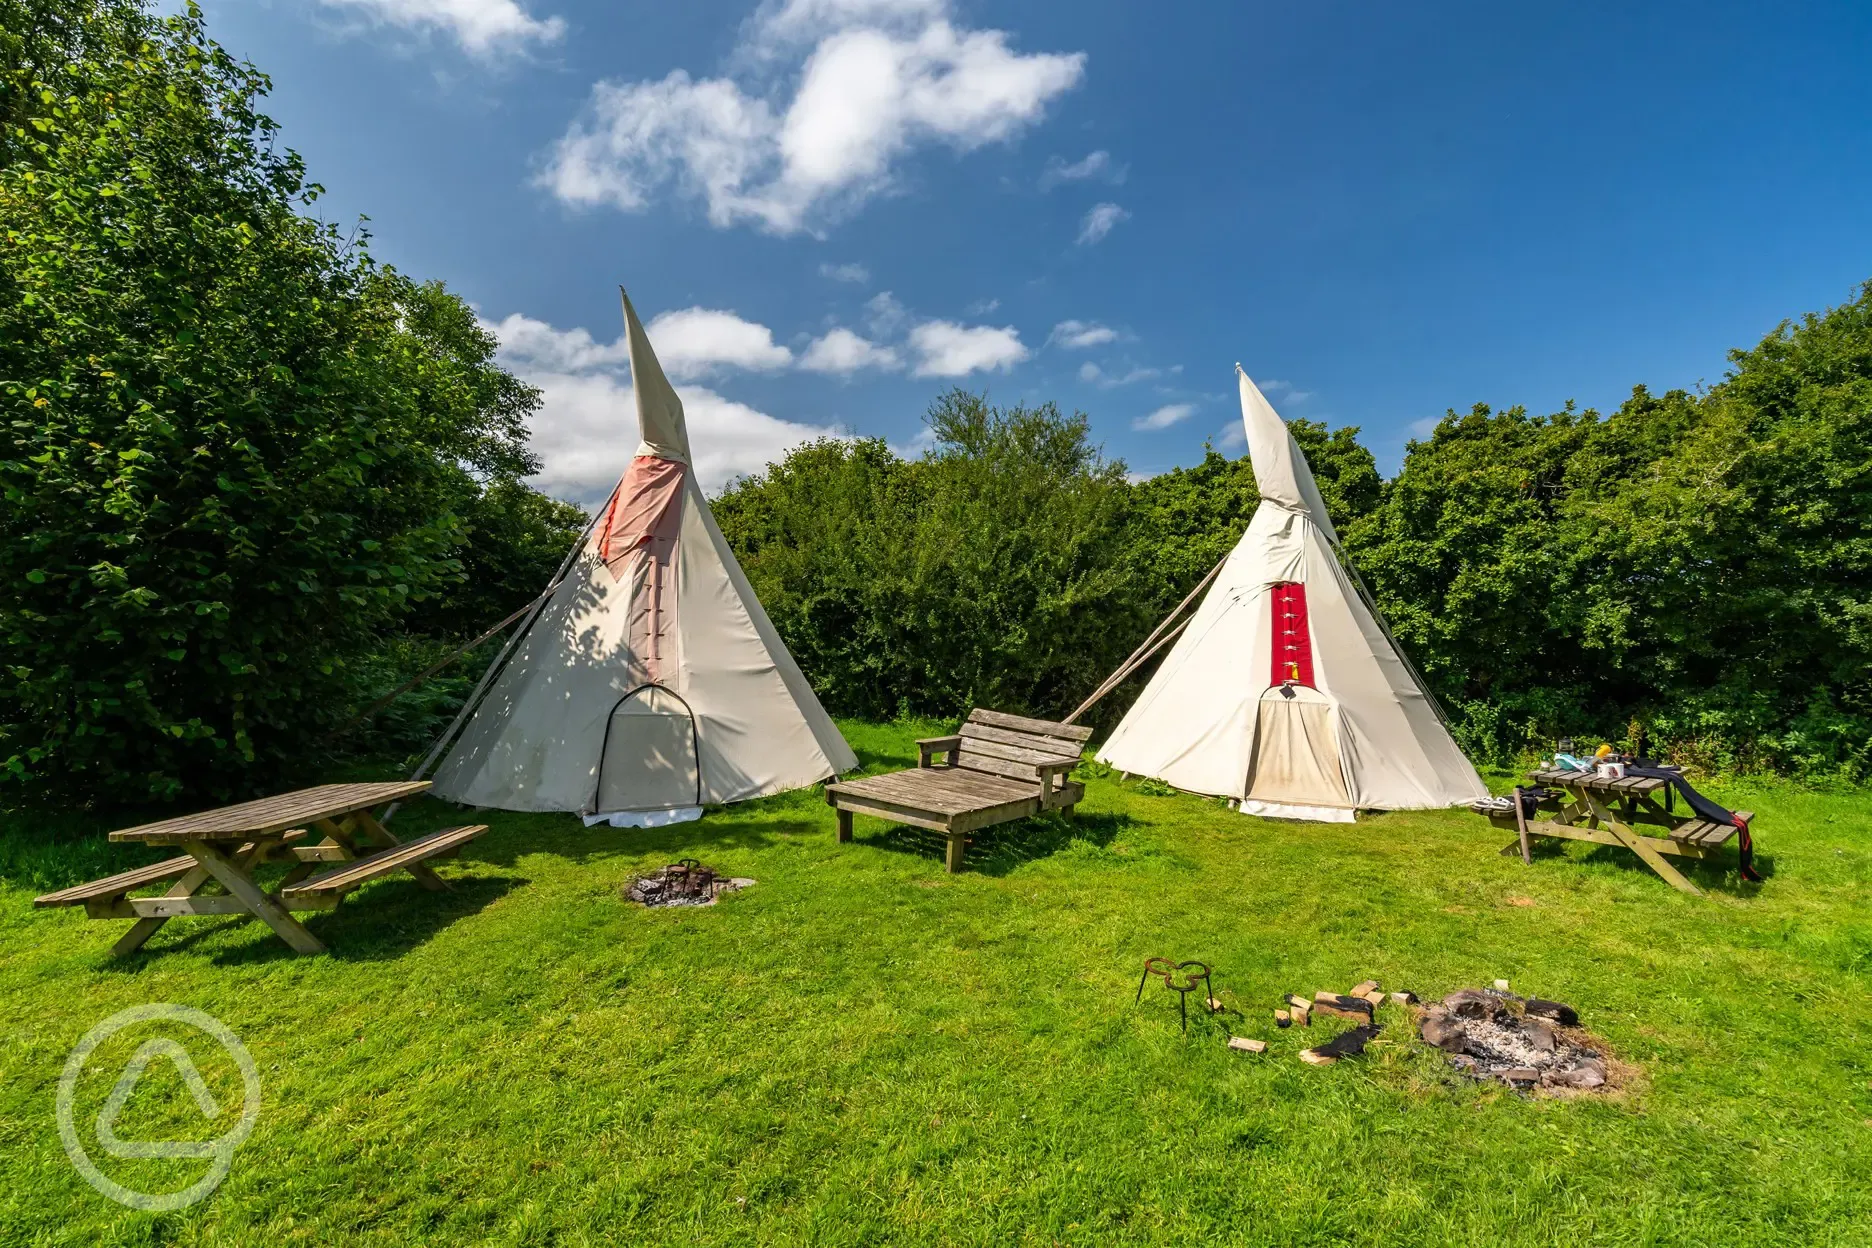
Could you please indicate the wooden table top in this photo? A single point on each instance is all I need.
(1590, 780)
(272, 814)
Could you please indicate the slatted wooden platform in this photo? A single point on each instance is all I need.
(999, 767)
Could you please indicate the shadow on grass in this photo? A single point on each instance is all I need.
(999, 850)
(1719, 874)
(381, 921)
(1713, 875)
(565, 836)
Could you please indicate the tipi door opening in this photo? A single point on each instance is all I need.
(650, 767)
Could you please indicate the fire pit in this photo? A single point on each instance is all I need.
(683, 883)
(1492, 1034)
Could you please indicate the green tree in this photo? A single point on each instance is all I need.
(991, 571)
(233, 450)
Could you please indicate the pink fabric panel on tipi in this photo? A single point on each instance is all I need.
(639, 535)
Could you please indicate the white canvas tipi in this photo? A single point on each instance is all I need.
(1286, 691)
(651, 683)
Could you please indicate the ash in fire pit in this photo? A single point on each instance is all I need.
(1490, 1033)
(682, 883)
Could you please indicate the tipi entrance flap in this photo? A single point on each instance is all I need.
(651, 759)
(1296, 751)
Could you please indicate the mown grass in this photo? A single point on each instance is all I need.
(861, 1049)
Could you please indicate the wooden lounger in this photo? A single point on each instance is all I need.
(999, 767)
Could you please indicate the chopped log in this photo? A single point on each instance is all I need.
(1345, 1044)
(1313, 1057)
(1501, 985)
(1404, 998)
(1369, 985)
(1565, 1015)
(1246, 1045)
(1282, 1018)
(1355, 1008)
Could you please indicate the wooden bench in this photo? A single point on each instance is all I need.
(109, 897)
(326, 889)
(999, 768)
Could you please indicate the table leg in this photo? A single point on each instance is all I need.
(239, 884)
(366, 825)
(141, 930)
(1636, 842)
(1520, 818)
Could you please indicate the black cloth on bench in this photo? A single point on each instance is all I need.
(1704, 808)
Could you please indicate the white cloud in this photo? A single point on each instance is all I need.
(775, 25)
(982, 307)
(916, 447)
(1078, 335)
(689, 343)
(1275, 385)
(1107, 381)
(842, 352)
(695, 341)
(530, 345)
(855, 273)
(1095, 165)
(586, 430)
(1232, 437)
(881, 78)
(946, 349)
(1164, 417)
(883, 313)
(1099, 222)
(482, 27)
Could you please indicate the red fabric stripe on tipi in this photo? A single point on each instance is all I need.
(643, 521)
(1293, 645)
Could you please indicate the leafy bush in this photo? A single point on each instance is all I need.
(235, 453)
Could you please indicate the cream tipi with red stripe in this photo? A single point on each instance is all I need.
(1286, 691)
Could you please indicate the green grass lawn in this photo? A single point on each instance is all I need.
(861, 1049)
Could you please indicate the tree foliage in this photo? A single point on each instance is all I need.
(993, 570)
(1692, 568)
(234, 452)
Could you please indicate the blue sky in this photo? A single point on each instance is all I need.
(833, 209)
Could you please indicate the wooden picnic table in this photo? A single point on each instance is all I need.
(225, 846)
(1611, 812)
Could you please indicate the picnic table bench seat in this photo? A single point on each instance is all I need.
(997, 768)
(335, 883)
(109, 893)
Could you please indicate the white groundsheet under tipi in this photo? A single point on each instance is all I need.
(652, 683)
(1286, 691)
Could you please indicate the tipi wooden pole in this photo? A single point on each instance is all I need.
(487, 677)
(1144, 651)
